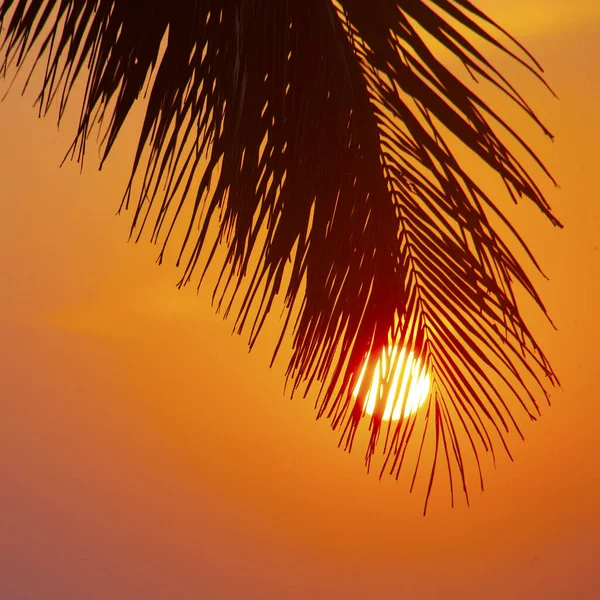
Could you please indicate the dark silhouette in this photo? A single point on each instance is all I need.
(318, 135)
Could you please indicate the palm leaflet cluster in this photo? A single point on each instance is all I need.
(313, 141)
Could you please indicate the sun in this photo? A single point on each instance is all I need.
(409, 383)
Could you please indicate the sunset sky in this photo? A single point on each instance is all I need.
(144, 453)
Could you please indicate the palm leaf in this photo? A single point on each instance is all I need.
(317, 136)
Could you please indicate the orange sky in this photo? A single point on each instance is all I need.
(145, 454)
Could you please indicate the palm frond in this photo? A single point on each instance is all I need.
(317, 135)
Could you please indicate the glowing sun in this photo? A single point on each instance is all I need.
(409, 383)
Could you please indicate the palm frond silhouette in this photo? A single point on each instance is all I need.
(317, 135)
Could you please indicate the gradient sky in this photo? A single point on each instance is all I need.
(145, 454)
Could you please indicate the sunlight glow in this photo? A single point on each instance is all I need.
(409, 385)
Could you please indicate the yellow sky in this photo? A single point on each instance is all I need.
(534, 19)
(145, 454)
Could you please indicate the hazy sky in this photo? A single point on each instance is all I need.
(145, 454)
